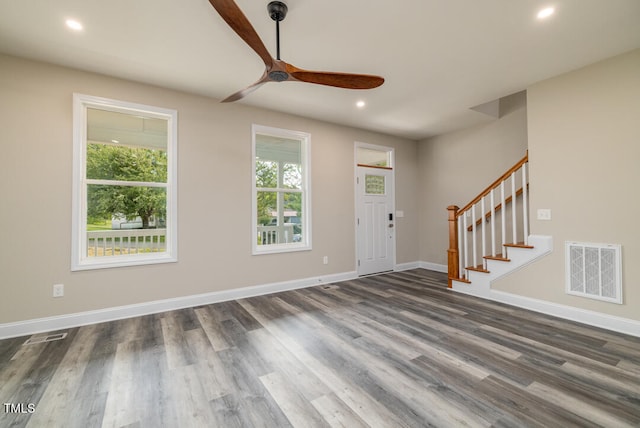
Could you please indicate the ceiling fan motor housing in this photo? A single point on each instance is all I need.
(278, 76)
(277, 10)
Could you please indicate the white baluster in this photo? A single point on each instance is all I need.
(473, 235)
(484, 238)
(461, 249)
(525, 210)
(513, 206)
(503, 236)
(493, 223)
(466, 243)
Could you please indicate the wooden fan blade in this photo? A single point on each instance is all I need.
(338, 80)
(246, 91)
(233, 16)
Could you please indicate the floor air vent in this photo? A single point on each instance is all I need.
(42, 339)
(594, 271)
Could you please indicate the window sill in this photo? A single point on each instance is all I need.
(115, 262)
(280, 248)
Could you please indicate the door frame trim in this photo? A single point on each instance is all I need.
(392, 167)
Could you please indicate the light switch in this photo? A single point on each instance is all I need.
(399, 214)
(544, 214)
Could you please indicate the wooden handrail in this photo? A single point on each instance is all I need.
(493, 185)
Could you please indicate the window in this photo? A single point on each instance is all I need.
(281, 209)
(368, 155)
(124, 184)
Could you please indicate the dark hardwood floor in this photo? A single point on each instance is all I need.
(394, 350)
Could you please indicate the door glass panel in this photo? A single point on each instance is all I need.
(374, 184)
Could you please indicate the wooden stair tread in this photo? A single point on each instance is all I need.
(479, 268)
(498, 257)
(465, 280)
(518, 245)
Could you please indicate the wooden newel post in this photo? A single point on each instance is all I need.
(452, 252)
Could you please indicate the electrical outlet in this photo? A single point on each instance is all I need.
(325, 260)
(58, 290)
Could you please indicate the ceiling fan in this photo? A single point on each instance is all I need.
(277, 70)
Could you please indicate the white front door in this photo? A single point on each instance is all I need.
(375, 220)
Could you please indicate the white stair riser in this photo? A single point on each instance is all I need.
(518, 257)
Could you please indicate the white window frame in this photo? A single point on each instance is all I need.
(79, 259)
(305, 139)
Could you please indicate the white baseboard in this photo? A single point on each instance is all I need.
(40, 325)
(406, 266)
(421, 265)
(592, 318)
(434, 266)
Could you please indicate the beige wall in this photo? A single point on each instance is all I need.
(214, 207)
(455, 167)
(583, 146)
(584, 151)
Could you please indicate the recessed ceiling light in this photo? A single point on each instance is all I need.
(73, 24)
(546, 12)
(360, 104)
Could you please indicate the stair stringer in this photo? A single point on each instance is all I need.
(480, 282)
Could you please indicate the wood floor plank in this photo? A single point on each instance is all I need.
(464, 336)
(58, 400)
(212, 328)
(298, 376)
(299, 411)
(586, 410)
(527, 408)
(254, 405)
(385, 374)
(30, 388)
(392, 350)
(360, 402)
(119, 410)
(214, 376)
(337, 413)
(178, 354)
(193, 408)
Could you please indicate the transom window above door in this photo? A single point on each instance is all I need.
(374, 157)
(280, 190)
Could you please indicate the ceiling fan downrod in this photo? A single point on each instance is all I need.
(277, 12)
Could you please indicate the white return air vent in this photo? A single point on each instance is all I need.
(42, 339)
(594, 271)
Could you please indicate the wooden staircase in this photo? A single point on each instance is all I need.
(488, 245)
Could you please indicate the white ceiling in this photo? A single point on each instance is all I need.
(439, 57)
